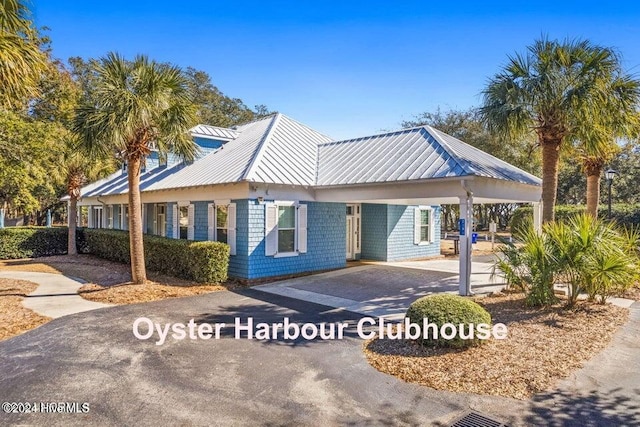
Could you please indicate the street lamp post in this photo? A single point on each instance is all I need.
(610, 174)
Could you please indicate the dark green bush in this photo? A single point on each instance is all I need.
(32, 242)
(623, 214)
(205, 262)
(448, 308)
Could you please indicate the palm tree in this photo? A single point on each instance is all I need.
(552, 91)
(136, 106)
(75, 170)
(596, 142)
(21, 60)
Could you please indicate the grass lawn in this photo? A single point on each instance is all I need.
(110, 282)
(543, 345)
(14, 317)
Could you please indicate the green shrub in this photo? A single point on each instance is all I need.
(204, 262)
(624, 214)
(596, 257)
(446, 308)
(32, 242)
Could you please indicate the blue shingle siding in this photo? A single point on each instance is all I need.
(326, 224)
(400, 246)
(387, 233)
(374, 232)
(170, 219)
(201, 218)
(207, 145)
(239, 263)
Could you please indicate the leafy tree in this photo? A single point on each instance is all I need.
(553, 90)
(215, 108)
(27, 150)
(136, 104)
(21, 59)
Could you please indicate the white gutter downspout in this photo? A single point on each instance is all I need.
(466, 215)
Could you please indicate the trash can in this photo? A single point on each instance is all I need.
(474, 238)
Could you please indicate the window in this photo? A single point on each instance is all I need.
(125, 217)
(286, 229)
(160, 220)
(109, 216)
(423, 231)
(183, 222)
(424, 225)
(222, 223)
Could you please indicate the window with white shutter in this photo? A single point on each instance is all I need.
(191, 222)
(285, 229)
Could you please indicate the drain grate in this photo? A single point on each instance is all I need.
(473, 419)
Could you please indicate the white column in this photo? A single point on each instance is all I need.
(537, 216)
(466, 213)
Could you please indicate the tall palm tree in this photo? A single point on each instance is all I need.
(75, 169)
(136, 106)
(552, 91)
(597, 142)
(21, 59)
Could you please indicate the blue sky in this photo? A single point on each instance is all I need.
(346, 68)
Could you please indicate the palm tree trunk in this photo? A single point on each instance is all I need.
(550, 157)
(73, 215)
(136, 243)
(593, 190)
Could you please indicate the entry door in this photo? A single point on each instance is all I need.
(350, 238)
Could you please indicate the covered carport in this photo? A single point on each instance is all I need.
(423, 166)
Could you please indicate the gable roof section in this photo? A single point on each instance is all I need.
(409, 154)
(275, 149)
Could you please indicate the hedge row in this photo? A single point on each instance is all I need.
(624, 214)
(32, 242)
(205, 262)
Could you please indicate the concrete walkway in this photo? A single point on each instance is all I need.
(56, 295)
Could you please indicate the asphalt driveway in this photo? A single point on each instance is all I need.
(93, 357)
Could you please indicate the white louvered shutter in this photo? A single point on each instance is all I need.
(231, 228)
(211, 222)
(191, 228)
(302, 229)
(432, 225)
(92, 212)
(176, 230)
(271, 230)
(416, 226)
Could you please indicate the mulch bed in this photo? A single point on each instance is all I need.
(633, 293)
(129, 293)
(14, 317)
(543, 345)
(110, 282)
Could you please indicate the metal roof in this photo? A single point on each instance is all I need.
(409, 154)
(213, 132)
(277, 149)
